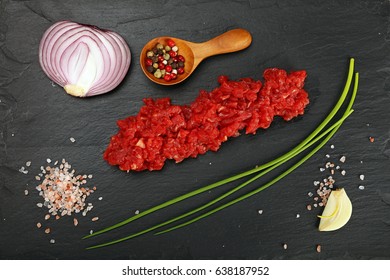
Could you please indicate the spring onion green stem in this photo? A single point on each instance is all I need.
(244, 174)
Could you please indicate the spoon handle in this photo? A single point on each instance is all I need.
(230, 41)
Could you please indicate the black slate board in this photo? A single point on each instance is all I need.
(37, 119)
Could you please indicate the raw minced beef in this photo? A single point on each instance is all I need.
(162, 130)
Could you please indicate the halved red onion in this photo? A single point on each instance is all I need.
(84, 59)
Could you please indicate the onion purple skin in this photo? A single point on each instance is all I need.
(84, 59)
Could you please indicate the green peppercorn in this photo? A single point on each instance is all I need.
(150, 54)
(154, 59)
(155, 65)
(163, 73)
(167, 48)
(159, 46)
(166, 56)
(158, 74)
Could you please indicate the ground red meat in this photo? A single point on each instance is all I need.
(164, 131)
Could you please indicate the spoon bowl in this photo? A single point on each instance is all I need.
(194, 53)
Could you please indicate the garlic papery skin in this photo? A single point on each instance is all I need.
(84, 59)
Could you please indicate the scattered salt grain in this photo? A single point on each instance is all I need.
(28, 164)
(297, 216)
(136, 212)
(260, 211)
(342, 159)
(72, 139)
(361, 177)
(327, 156)
(361, 187)
(39, 225)
(308, 207)
(48, 160)
(91, 231)
(343, 172)
(23, 170)
(322, 169)
(94, 219)
(52, 241)
(25, 192)
(47, 230)
(310, 194)
(318, 248)
(47, 216)
(100, 198)
(75, 222)
(332, 146)
(285, 246)
(40, 205)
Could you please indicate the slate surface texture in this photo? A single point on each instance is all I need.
(37, 119)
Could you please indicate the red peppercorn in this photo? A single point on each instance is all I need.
(168, 68)
(148, 62)
(181, 58)
(172, 53)
(171, 43)
(180, 70)
(167, 77)
(173, 76)
(160, 58)
(175, 59)
(161, 66)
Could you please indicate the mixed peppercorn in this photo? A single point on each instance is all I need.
(164, 62)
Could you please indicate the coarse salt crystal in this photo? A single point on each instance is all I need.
(48, 160)
(285, 246)
(361, 187)
(343, 172)
(136, 212)
(327, 156)
(361, 177)
(260, 211)
(94, 219)
(322, 169)
(25, 192)
(332, 146)
(342, 159)
(28, 163)
(100, 198)
(52, 241)
(72, 139)
(297, 216)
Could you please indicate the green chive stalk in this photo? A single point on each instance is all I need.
(267, 167)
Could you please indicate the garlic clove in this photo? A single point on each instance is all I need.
(337, 212)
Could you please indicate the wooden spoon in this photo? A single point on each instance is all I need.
(230, 41)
